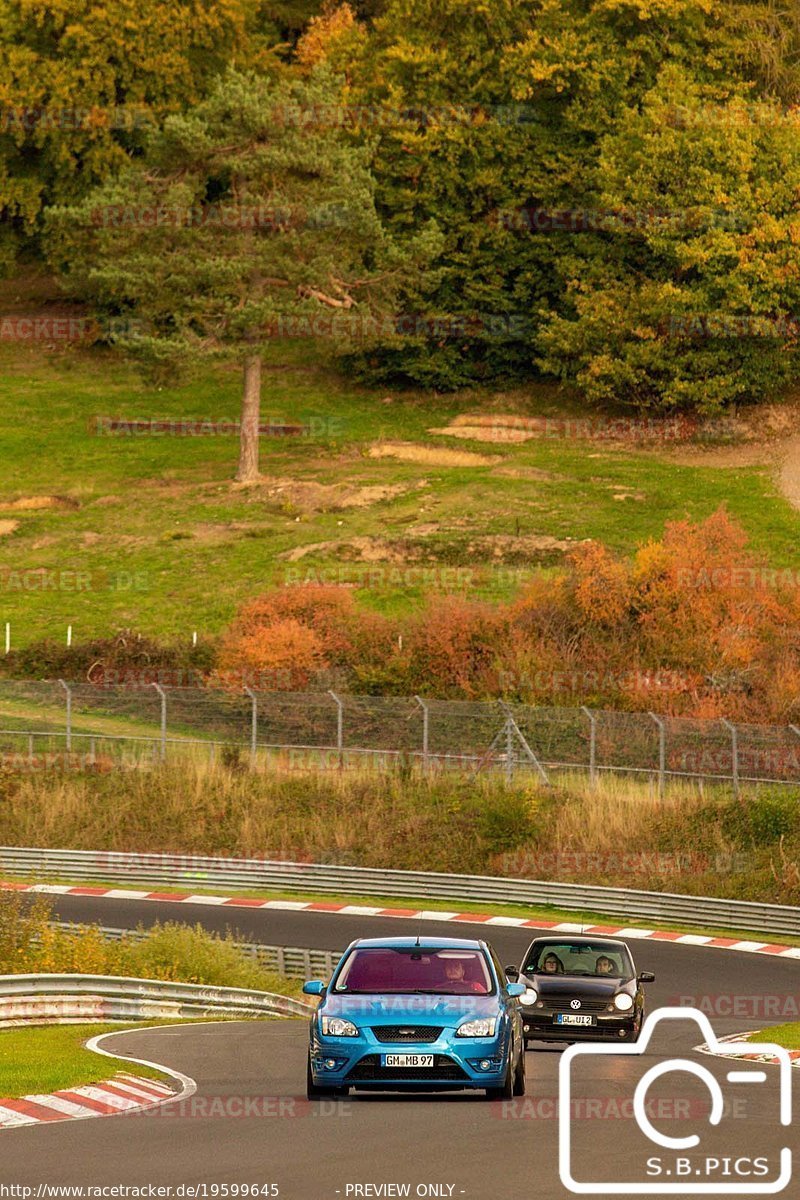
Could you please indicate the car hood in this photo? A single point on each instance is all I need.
(567, 986)
(446, 1010)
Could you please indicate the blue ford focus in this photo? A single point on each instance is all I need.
(406, 1014)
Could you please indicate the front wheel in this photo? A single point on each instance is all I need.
(314, 1091)
(506, 1089)
(519, 1076)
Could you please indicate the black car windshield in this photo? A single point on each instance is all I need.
(578, 958)
(446, 971)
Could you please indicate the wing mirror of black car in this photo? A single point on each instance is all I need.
(647, 977)
(512, 973)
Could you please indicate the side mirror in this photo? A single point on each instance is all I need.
(516, 989)
(647, 977)
(313, 987)
(511, 972)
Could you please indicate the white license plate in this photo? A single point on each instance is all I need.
(574, 1019)
(408, 1060)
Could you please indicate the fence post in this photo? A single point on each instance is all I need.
(163, 696)
(253, 726)
(68, 691)
(425, 730)
(509, 745)
(339, 726)
(592, 744)
(662, 752)
(735, 754)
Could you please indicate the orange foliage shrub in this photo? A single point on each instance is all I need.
(288, 634)
(694, 624)
(451, 645)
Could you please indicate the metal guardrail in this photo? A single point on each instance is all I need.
(45, 998)
(194, 872)
(294, 962)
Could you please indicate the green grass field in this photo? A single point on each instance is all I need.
(45, 1059)
(784, 1035)
(164, 542)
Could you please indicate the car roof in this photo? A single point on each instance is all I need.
(423, 943)
(573, 939)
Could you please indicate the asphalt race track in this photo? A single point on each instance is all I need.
(249, 1122)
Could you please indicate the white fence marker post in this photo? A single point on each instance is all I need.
(8, 636)
(69, 635)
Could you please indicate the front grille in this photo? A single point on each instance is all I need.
(369, 1068)
(561, 1004)
(407, 1033)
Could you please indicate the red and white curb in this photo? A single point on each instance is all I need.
(124, 1093)
(743, 1039)
(413, 914)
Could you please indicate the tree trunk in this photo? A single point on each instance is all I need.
(251, 418)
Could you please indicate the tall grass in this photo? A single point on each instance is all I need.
(620, 833)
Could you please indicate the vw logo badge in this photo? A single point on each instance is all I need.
(574, 1003)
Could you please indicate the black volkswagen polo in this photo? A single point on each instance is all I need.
(580, 989)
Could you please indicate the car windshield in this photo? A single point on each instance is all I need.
(578, 958)
(448, 972)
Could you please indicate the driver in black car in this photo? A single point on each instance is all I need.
(604, 966)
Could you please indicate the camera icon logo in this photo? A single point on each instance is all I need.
(677, 1171)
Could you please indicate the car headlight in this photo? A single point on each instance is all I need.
(484, 1027)
(337, 1027)
(529, 997)
(623, 1002)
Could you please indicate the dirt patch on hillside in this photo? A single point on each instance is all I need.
(479, 433)
(357, 549)
(7, 527)
(526, 548)
(36, 503)
(307, 496)
(433, 456)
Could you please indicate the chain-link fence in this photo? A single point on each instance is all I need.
(55, 723)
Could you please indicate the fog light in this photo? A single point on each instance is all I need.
(330, 1063)
(623, 1033)
(485, 1064)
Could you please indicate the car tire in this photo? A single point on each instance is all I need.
(519, 1076)
(506, 1089)
(315, 1092)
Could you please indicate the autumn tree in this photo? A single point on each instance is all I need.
(81, 82)
(248, 217)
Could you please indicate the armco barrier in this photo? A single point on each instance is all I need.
(46, 999)
(194, 872)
